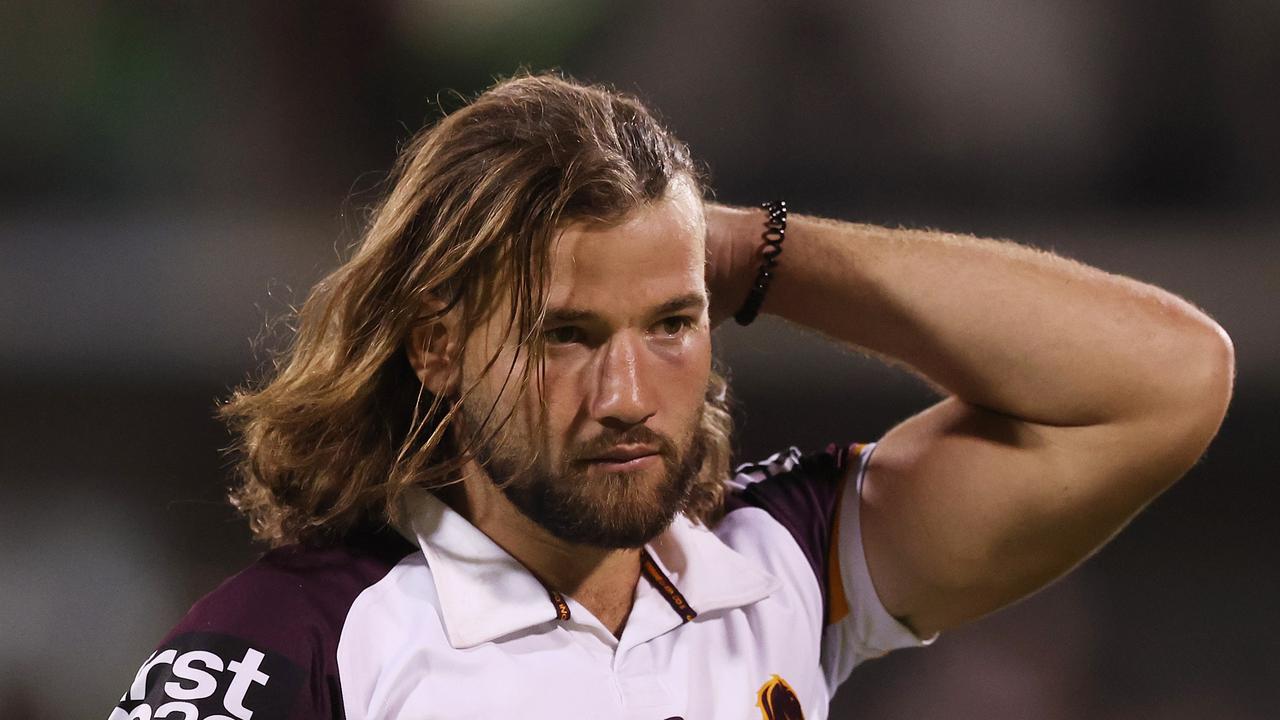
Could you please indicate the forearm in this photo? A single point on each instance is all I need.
(1002, 326)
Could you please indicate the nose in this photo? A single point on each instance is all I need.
(622, 397)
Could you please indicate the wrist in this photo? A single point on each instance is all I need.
(771, 238)
(733, 256)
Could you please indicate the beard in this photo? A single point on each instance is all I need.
(603, 510)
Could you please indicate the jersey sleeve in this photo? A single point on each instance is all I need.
(816, 497)
(263, 646)
(217, 675)
(858, 625)
(250, 649)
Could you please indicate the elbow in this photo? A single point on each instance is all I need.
(1198, 401)
(1214, 376)
(1226, 351)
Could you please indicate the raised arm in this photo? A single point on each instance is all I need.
(1074, 397)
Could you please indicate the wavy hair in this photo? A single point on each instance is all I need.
(340, 426)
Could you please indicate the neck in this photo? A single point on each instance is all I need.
(602, 580)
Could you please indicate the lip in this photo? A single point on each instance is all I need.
(636, 463)
(624, 453)
(623, 458)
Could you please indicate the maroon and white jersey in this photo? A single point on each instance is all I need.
(762, 616)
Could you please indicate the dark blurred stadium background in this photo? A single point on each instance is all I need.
(174, 174)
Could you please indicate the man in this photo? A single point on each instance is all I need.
(494, 462)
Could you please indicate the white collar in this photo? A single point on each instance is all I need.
(486, 594)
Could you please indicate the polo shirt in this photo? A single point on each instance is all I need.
(761, 616)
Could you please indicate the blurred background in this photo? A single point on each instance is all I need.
(173, 175)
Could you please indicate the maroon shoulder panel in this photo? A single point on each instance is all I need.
(264, 643)
(803, 499)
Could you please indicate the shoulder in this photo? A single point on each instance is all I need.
(801, 492)
(296, 587)
(793, 486)
(264, 642)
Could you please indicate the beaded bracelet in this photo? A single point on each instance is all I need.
(775, 231)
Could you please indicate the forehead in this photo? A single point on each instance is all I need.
(656, 253)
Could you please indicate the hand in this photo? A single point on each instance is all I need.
(733, 236)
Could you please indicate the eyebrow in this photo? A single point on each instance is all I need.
(688, 301)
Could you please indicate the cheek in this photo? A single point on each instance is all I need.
(686, 374)
(492, 388)
(563, 391)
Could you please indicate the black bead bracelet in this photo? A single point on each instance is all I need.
(775, 231)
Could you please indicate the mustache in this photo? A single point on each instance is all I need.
(609, 439)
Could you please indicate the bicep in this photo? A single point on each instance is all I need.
(965, 510)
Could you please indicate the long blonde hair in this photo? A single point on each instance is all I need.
(340, 427)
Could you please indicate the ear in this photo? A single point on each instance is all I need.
(434, 350)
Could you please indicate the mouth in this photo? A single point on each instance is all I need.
(625, 457)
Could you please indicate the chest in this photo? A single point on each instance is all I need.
(747, 663)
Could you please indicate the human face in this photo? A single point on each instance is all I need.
(610, 456)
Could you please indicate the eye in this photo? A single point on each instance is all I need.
(563, 335)
(675, 325)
